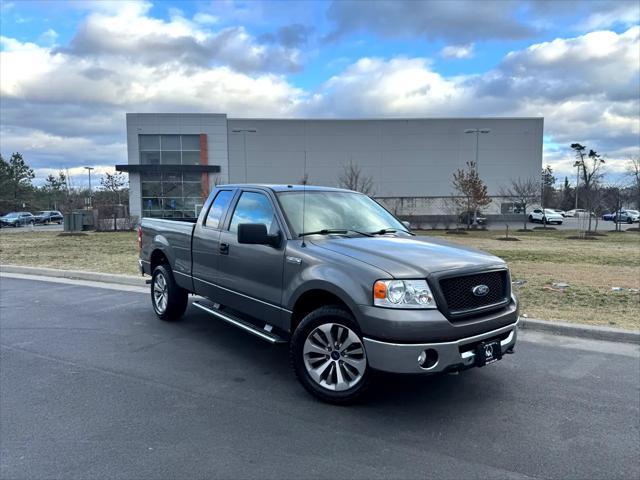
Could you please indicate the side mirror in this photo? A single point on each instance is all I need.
(407, 224)
(256, 234)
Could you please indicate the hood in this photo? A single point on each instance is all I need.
(406, 257)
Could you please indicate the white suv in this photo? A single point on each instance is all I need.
(627, 216)
(545, 216)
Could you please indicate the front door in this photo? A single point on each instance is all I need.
(251, 275)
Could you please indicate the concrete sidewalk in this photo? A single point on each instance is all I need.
(593, 332)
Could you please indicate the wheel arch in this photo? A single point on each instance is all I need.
(158, 257)
(315, 297)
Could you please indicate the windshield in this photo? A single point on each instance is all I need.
(11, 215)
(335, 211)
(548, 210)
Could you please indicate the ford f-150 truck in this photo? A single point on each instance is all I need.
(338, 277)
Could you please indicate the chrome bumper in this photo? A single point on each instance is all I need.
(403, 358)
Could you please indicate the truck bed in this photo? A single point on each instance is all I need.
(176, 235)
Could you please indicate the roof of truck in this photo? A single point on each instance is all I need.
(284, 187)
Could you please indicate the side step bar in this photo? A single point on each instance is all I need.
(238, 322)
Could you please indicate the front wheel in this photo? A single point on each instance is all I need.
(168, 299)
(530, 219)
(328, 357)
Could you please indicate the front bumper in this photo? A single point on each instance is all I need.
(454, 355)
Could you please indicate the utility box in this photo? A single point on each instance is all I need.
(78, 221)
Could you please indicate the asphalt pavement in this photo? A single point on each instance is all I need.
(92, 385)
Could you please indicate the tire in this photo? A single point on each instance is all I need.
(168, 299)
(332, 375)
(629, 220)
(530, 219)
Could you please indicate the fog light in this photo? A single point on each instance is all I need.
(428, 358)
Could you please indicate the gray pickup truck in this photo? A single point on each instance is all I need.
(339, 278)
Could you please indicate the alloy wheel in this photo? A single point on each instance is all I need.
(334, 357)
(160, 292)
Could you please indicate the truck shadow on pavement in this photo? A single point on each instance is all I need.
(250, 364)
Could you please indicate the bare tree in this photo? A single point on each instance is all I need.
(114, 183)
(354, 179)
(590, 165)
(523, 192)
(633, 170)
(472, 190)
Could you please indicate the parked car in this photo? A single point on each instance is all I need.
(545, 216)
(339, 278)
(609, 216)
(469, 218)
(578, 212)
(17, 219)
(627, 216)
(48, 216)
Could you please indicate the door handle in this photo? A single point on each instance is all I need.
(224, 248)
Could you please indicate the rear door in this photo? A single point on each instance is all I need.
(250, 276)
(205, 246)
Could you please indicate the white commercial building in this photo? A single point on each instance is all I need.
(175, 159)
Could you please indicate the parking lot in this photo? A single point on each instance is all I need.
(93, 385)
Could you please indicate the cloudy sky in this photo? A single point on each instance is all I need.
(69, 71)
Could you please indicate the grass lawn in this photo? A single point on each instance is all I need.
(591, 268)
(109, 252)
(539, 259)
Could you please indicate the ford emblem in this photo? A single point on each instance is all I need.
(480, 290)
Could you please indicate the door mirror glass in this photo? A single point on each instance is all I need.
(256, 234)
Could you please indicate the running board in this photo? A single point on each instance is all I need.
(244, 325)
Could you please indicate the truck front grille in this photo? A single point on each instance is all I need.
(458, 292)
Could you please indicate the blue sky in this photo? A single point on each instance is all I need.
(71, 69)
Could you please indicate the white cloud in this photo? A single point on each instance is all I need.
(65, 107)
(132, 35)
(205, 18)
(457, 51)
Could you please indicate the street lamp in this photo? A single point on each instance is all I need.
(244, 132)
(477, 131)
(90, 193)
(577, 164)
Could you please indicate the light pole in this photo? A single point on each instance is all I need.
(244, 132)
(90, 192)
(477, 131)
(577, 164)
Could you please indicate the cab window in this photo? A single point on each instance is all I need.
(253, 207)
(218, 207)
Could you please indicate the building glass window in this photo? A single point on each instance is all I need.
(169, 149)
(172, 194)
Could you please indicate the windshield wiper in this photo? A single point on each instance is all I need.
(389, 230)
(329, 231)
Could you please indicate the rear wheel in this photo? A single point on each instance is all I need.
(168, 299)
(530, 218)
(328, 357)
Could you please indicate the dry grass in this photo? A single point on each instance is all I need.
(591, 269)
(539, 258)
(110, 252)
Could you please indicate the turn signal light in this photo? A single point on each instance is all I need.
(380, 290)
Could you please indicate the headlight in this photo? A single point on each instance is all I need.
(403, 294)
